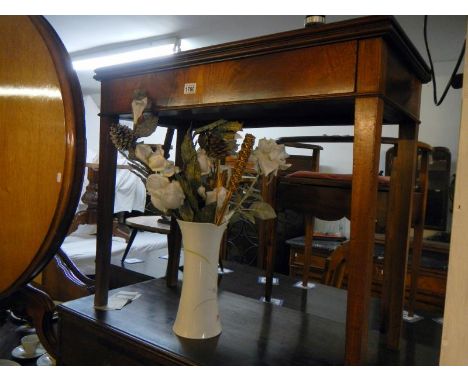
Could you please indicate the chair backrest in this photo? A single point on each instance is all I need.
(63, 281)
(301, 162)
(335, 266)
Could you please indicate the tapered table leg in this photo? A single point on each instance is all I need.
(366, 149)
(174, 239)
(267, 242)
(308, 242)
(418, 234)
(397, 232)
(105, 210)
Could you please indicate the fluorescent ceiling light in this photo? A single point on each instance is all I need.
(125, 52)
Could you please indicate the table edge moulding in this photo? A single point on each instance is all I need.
(363, 71)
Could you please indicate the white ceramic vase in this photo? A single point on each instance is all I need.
(198, 314)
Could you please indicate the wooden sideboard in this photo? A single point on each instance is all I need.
(362, 72)
(254, 333)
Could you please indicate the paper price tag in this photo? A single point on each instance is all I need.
(190, 88)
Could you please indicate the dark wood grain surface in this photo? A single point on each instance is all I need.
(254, 333)
(385, 27)
(42, 116)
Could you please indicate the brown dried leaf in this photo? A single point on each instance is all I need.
(146, 127)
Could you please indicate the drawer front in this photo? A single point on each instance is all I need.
(307, 72)
(83, 343)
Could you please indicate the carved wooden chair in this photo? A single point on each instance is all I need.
(335, 266)
(268, 190)
(60, 281)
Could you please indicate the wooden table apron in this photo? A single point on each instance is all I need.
(363, 72)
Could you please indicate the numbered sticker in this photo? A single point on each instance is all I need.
(190, 88)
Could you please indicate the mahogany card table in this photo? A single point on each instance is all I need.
(363, 72)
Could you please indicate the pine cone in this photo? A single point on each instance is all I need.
(215, 146)
(122, 137)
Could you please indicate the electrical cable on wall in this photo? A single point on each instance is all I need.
(460, 58)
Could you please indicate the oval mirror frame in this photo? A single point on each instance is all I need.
(42, 147)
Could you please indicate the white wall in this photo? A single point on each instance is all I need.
(92, 126)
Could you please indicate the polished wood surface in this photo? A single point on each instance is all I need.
(253, 333)
(63, 281)
(418, 233)
(308, 330)
(368, 46)
(43, 147)
(335, 266)
(366, 148)
(397, 233)
(384, 27)
(311, 71)
(105, 212)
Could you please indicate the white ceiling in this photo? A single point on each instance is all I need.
(446, 33)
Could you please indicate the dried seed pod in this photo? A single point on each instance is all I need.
(239, 168)
(122, 137)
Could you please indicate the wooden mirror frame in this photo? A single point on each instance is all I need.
(54, 150)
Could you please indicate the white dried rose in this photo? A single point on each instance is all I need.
(138, 106)
(157, 162)
(202, 192)
(204, 161)
(217, 195)
(270, 156)
(165, 195)
(143, 152)
(161, 165)
(169, 169)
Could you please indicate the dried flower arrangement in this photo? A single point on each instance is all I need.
(206, 189)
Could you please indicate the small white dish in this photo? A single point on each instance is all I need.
(45, 360)
(18, 352)
(8, 362)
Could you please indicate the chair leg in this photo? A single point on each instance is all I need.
(309, 237)
(129, 245)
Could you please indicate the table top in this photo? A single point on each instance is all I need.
(254, 333)
(247, 80)
(148, 223)
(357, 28)
(95, 166)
